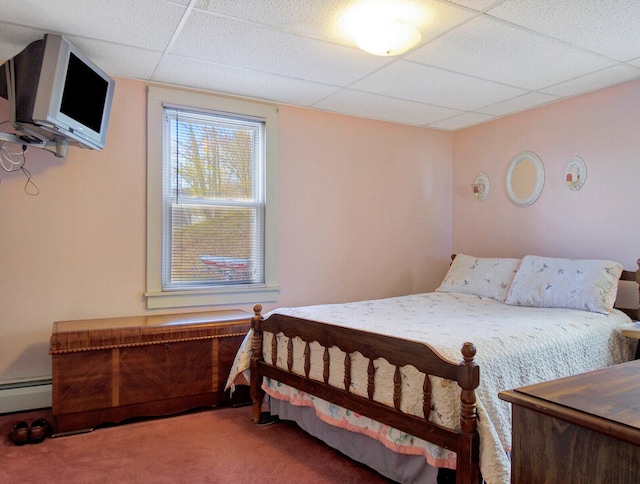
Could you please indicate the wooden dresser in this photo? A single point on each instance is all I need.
(579, 429)
(109, 370)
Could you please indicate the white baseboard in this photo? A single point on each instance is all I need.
(25, 396)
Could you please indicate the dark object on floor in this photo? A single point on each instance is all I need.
(446, 476)
(40, 429)
(267, 419)
(19, 434)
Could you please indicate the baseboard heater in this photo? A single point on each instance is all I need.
(25, 395)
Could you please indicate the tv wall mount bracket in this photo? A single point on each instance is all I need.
(57, 146)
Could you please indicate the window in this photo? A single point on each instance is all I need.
(211, 200)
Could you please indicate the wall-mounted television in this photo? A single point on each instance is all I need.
(57, 93)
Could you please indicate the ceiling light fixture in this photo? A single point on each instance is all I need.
(387, 37)
(383, 28)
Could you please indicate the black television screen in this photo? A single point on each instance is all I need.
(80, 80)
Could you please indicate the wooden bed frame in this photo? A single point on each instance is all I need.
(633, 276)
(398, 352)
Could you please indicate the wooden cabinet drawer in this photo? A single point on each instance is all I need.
(168, 370)
(83, 381)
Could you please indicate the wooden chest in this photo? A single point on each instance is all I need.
(109, 370)
(579, 429)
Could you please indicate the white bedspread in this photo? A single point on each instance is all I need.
(516, 346)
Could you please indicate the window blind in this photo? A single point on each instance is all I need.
(213, 199)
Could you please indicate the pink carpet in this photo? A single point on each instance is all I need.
(208, 446)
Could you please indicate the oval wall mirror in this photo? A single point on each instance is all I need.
(525, 179)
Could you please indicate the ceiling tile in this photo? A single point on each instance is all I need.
(322, 19)
(362, 104)
(241, 82)
(120, 60)
(236, 43)
(634, 62)
(461, 121)
(496, 51)
(142, 23)
(603, 26)
(14, 38)
(417, 82)
(517, 104)
(478, 5)
(309, 18)
(596, 80)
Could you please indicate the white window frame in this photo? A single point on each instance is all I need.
(157, 98)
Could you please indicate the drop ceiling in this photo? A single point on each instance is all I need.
(478, 59)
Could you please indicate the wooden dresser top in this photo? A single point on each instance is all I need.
(91, 334)
(150, 320)
(606, 400)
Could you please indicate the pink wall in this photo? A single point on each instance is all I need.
(366, 209)
(364, 212)
(599, 221)
(77, 249)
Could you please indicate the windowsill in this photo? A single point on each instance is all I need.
(211, 297)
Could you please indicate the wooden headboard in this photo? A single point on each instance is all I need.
(628, 300)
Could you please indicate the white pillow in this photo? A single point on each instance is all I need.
(486, 277)
(586, 284)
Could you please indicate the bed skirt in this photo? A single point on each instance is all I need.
(397, 467)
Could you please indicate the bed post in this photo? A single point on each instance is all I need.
(257, 393)
(468, 454)
(638, 281)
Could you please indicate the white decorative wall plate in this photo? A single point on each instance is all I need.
(576, 173)
(481, 186)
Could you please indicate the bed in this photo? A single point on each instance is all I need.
(409, 385)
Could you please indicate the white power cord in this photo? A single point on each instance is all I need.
(10, 160)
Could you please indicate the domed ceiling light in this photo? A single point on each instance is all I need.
(383, 28)
(387, 37)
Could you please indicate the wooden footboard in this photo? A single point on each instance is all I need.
(398, 352)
